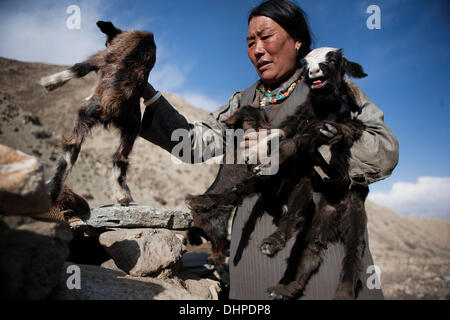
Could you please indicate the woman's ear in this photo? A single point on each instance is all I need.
(298, 45)
(353, 69)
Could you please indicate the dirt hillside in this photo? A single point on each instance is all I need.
(412, 253)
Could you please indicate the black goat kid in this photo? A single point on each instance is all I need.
(338, 212)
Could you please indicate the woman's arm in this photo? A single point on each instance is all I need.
(161, 121)
(375, 155)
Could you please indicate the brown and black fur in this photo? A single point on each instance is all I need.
(338, 214)
(213, 209)
(124, 67)
(67, 205)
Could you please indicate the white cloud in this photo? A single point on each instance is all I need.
(428, 196)
(168, 77)
(201, 101)
(38, 32)
(173, 78)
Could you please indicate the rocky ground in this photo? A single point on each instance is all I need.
(413, 253)
(67, 251)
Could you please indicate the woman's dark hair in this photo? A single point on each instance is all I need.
(290, 17)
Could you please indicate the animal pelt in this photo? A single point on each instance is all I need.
(123, 69)
(212, 210)
(338, 214)
(67, 205)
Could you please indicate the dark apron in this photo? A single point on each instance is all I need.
(252, 272)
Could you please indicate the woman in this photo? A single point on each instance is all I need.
(278, 37)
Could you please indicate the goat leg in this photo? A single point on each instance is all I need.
(299, 199)
(71, 149)
(78, 70)
(310, 262)
(121, 191)
(217, 258)
(354, 225)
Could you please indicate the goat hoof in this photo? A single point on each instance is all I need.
(275, 295)
(122, 196)
(343, 296)
(125, 201)
(268, 248)
(279, 292)
(257, 170)
(344, 293)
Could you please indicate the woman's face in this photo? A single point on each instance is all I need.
(271, 50)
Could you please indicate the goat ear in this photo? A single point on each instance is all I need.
(353, 69)
(108, 28)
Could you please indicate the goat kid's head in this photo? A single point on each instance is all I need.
(109, 29)
(246, 118)
(324, 69)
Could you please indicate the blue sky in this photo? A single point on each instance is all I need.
(202, 56)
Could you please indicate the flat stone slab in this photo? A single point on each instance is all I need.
(135, 216)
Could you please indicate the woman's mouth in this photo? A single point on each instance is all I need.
(264, 65)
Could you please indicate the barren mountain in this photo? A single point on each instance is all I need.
(413, 253)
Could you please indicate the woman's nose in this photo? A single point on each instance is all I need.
(259, 49)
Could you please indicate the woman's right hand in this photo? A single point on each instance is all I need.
(258, 148)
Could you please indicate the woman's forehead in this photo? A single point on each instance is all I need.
(260, 24)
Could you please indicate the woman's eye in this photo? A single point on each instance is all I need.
(250, 44)
(265, 37)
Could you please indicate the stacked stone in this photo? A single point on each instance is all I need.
(32, 251)
(141, 239)
(37, 241)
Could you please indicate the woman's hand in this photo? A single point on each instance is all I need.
(258, 144)
(329, 131)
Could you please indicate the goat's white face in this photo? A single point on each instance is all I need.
(325, 68)
(313, 59)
